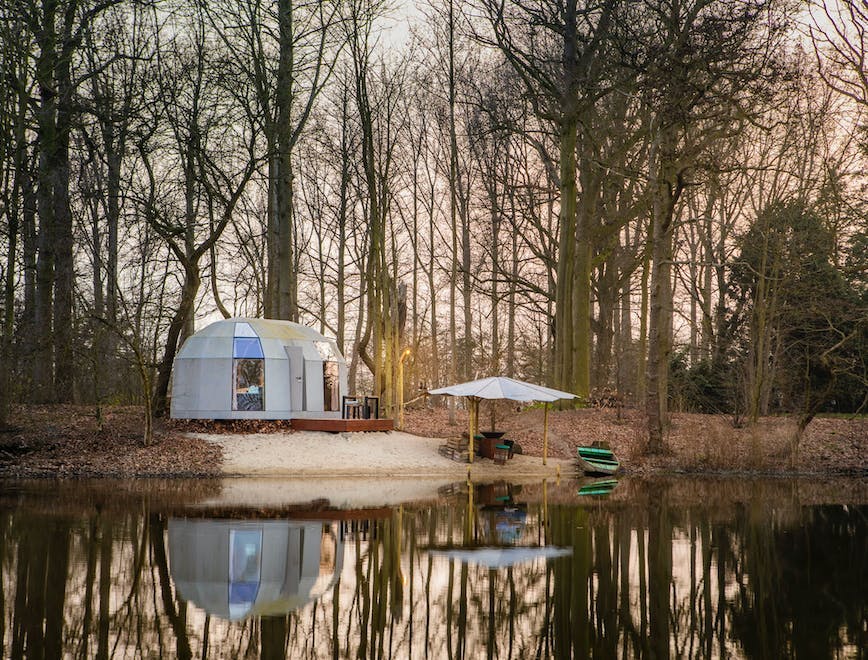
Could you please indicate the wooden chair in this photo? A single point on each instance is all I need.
(351, 407)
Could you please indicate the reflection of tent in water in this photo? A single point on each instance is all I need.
(235, 569)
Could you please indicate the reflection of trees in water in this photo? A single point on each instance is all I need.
(642, 581)
(798, 585)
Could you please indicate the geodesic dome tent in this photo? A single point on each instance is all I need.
(245, 368)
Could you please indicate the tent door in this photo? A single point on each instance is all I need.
(295, 356)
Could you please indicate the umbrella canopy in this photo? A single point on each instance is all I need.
(501, 387)
(503, 557)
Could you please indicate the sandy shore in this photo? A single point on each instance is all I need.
(392, 454)
(351, 470)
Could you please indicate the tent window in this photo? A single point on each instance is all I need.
(330, 381)
(247, 347)
(244, 330)
(249, 383)
(245, 570)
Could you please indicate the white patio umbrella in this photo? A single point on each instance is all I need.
(502, 557)
(501, 387)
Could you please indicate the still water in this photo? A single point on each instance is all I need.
(685, 568)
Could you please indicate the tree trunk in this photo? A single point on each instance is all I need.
(64, 282)
(189, 289)
(453, 201)
(567, 258)
(666, 187)
(272, 234)
(432, 292)
(287, 293)
(607, 292)
(642, 349)
(581, 321)
(46, 118)
(495, 274)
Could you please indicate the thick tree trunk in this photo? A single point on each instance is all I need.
(287, 291)
(64, 283)
(6, 357)
(272, 235)
(666, 186)
(342, 222)
(17, 225)
(189, 289)
(587, 210)
(46, 118)
(659, 349)
(566, 269)
(453, 201)
(30, 240)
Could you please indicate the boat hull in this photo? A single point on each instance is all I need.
(596, 461)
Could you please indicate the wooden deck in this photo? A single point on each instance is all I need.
(342, 425)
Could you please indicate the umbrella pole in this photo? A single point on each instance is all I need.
(493, 415)
(545, 433)
(476, 418)
(470, 430)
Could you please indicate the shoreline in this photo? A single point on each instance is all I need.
(64, 441)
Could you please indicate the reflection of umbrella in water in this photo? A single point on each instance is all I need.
(491, 557)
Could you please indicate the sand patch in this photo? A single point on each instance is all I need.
(394, 454)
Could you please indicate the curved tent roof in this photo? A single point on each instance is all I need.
(216, 340)
(263, 328)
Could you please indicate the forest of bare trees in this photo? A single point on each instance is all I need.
(662, 200)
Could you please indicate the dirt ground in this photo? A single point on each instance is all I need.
(695, 443)
(70, 441)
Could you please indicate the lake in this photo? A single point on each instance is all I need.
(213, 569)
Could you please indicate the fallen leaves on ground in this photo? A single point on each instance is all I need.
(695, 443)
(67, 440)
(79, 441)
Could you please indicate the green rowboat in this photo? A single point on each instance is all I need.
(598, 459)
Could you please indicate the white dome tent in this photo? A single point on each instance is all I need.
(246, 368)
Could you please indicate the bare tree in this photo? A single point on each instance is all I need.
(716, 60)
(198, 138)
(555, 48)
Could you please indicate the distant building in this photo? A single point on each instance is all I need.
(246, 368)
